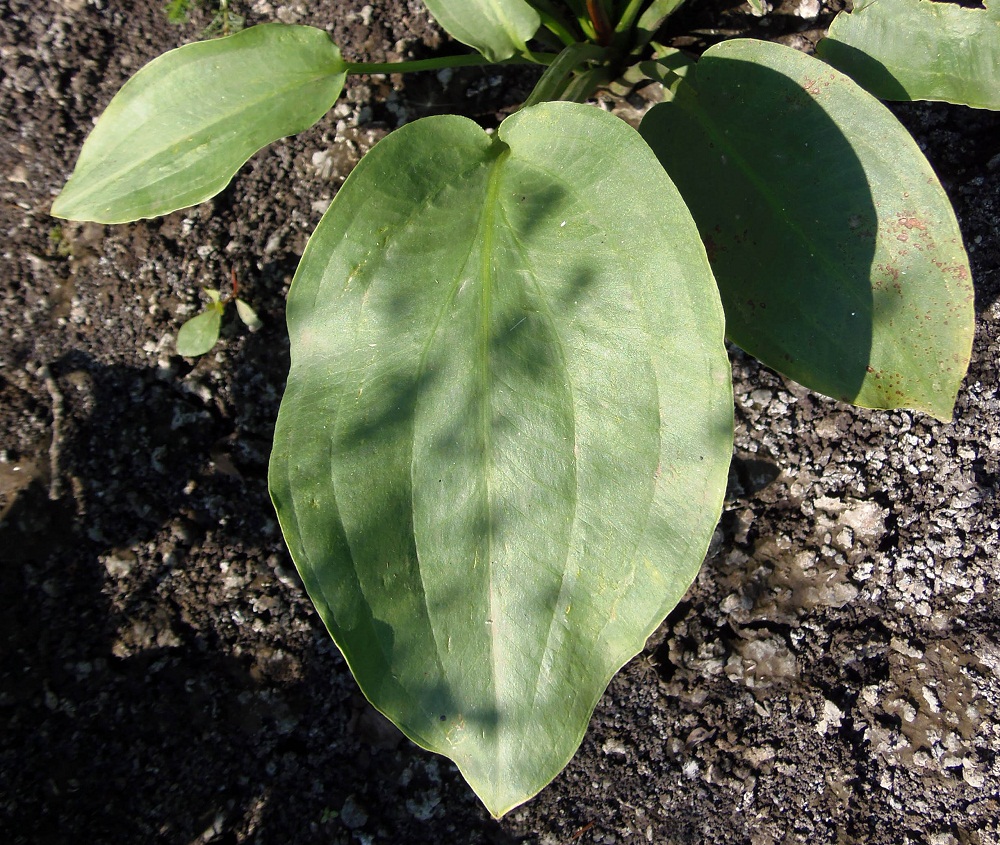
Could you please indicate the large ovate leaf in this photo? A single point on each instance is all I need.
(919, 50)
(505, 436)
(498, 29)
(836, 251)
(180, 128)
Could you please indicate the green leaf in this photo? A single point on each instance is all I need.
(553, 83)
(183, 125)
(505, 436)
(653, 18)
(668, 67)
(199, 334)
(651, 21)
(498, 29)
(248, 315)
(919, 50)
(836, 251)
(178, 11)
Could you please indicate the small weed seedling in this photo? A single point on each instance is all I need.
(199, 334)
(224, 20)
(503, 445)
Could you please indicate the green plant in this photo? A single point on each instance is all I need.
(178, 11)
(504, 441)
(58, 242)
(199, 334)
(224, 19)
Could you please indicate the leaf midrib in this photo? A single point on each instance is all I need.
(335, 423)
(486, 274)
(630, 553)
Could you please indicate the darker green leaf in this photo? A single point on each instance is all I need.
(919, 50)
(836, 251)
(498, 29)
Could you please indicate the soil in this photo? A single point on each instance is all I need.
(833, 676)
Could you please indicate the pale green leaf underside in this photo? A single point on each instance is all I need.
(498, 29)
(248, 315)
(180, 128)
(837, 253)
(505, 436)
(919, 50)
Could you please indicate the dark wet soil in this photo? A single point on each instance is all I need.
(833, 676)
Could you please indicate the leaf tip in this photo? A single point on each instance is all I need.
(62, 207)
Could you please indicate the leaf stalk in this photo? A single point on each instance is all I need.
(552, 85)
(440, 62)
(627, 21)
